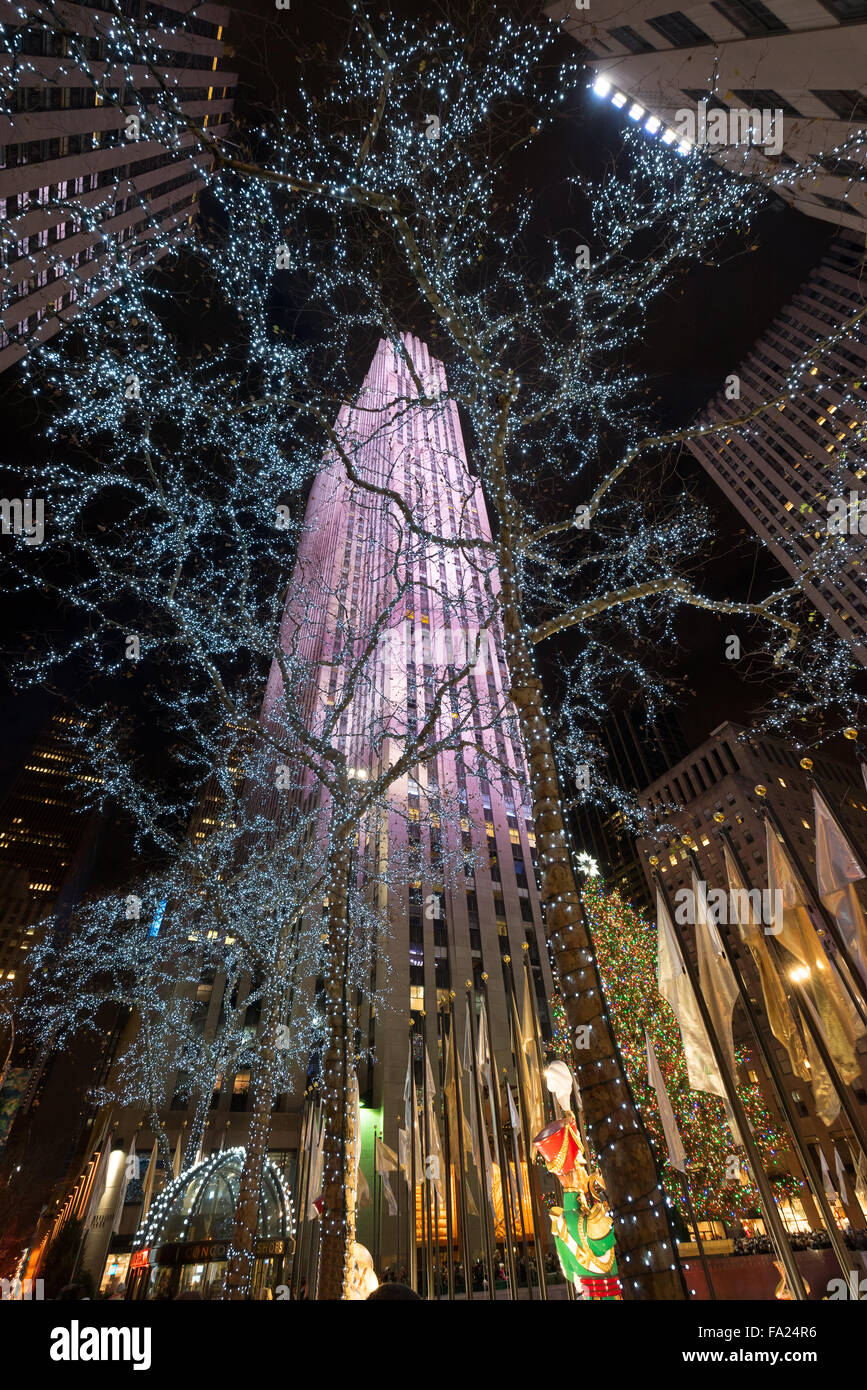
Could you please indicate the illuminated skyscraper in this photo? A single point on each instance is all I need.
(419, 454)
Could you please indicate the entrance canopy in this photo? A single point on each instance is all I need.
(200, 1205)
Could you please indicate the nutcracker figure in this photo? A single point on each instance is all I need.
(583, 1230)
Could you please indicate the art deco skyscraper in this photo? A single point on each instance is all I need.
(66, 145)
(441, 935)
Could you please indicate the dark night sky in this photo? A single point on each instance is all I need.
(694, 339)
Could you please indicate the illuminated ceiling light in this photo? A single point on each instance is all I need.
(684, 147)
(619, 99)
(636, 111)
(669, 137)
(653, 125)
(602, 86)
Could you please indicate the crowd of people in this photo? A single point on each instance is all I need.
(802, 1240)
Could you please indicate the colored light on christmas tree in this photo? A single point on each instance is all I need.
(626, 952)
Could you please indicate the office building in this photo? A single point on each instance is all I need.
(804, 58)
(66, 147)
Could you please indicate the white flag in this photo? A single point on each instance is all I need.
(484, 1059)
(150, 1177)
(178, 1158)
(385, 1162)
(826, 1179)
(410, 1101)
(714, 973)
(841, 1174)
(794, 929)
(674, 1143)
(130, 1165)
(434, 1157)
(837, 870)
(860, 1178)
(674, 986)
(314, 1182)
(100, 1179)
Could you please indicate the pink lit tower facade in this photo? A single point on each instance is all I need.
(362, 559)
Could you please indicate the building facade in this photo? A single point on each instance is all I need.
(67, 143)
(47, 847)
(804, 58)
(777, 472)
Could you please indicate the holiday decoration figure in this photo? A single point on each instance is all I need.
(583, 1229)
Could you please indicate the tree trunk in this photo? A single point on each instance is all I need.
(645, 1241)
(337, 1223)
(197, 1130)
(164, 1151)
(242, 1248)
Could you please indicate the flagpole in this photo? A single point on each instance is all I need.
(401, 1183)
(505, 1178)
(301, 1166)
(377, 1208)
(450, 1251)
(459, 1112)
(698, 1240)
(769, 1207)
(480, 1121)
(412, 1240)
(782, 1095)
(851, 976)
(425, 1183)
(527, 1138)
(546, 1108)
(521, 1200)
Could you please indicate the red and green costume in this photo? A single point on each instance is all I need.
(585, 1244)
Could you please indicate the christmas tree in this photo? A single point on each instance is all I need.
(626, 952)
